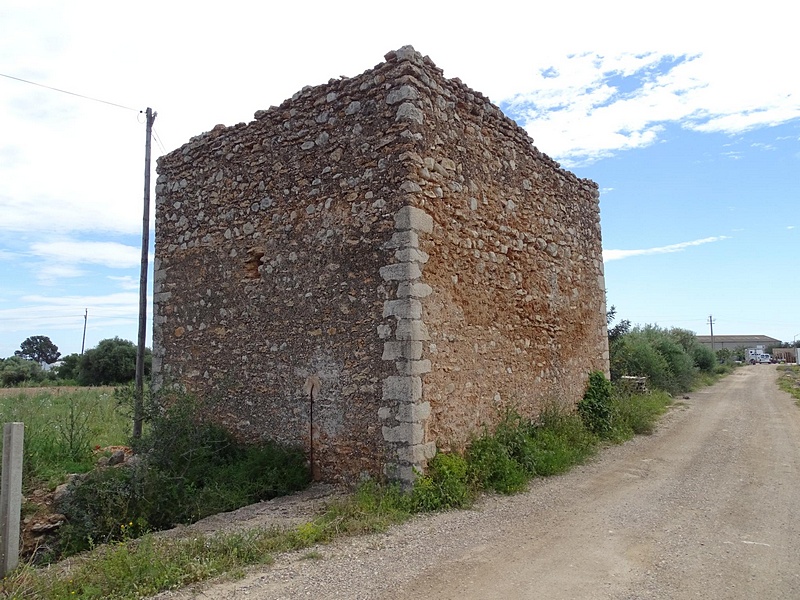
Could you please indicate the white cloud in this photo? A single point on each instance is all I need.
(588, 106)
(67, 312)
(50, 273)
(609, 255)
(126, 282)
(108, 254)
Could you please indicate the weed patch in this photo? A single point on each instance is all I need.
(188, 469)
(638, 414)
(446, 485)
(595, 406)
(789, 380)
(61, 430)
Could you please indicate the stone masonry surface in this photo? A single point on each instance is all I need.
(379, 267)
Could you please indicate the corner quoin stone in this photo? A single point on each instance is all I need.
(404, 389)
(410, 217)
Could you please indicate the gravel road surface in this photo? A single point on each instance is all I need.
(704, 508)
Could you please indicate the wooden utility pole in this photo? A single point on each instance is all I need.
(711, 324)
(138, 401)
(85, 321)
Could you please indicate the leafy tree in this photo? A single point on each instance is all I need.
(725, 355)
(658, 354)
(687, 339)
(15, 370)
(38, 348)
(68, 369)
(618, 330)
(704, 358)
(112, 362)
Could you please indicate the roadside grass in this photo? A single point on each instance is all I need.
(500, 461)
(638, 414)
(62, 429)
(789, 380)
(708, 378)
(139, 568)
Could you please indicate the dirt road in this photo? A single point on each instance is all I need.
(707, 507)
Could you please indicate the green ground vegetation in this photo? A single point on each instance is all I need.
(502, 460)
(63, 430)
(789, 380)
(188, 468)
(672, 360)
(192, 468)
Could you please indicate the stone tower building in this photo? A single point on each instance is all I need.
(375, 270)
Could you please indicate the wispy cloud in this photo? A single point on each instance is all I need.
(609, 255)
(762, 146)
(67, 312)
(108, 254)
(126, 282)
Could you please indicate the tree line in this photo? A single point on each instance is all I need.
(671, 359)
(38, 361)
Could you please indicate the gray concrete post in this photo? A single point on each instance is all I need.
(11, 496)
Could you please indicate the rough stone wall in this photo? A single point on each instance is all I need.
(516, 311)
(389, 246)
(269, 244)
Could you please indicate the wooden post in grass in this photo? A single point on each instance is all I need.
(11, 496)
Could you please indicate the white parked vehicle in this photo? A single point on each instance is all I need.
(756, 356)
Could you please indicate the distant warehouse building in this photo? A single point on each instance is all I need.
(733, 342)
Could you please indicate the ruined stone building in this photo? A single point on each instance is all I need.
(376, 269)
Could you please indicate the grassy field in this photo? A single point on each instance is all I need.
(56, 390)
(63, 426)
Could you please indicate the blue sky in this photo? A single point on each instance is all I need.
(688, 118)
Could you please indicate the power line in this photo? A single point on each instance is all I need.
(70, 93)
(158, 141)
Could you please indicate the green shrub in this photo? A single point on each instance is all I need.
(595, 407)
(514, 434)
(111, 362)
(16, 370)
(189, 468)
(665, 357)
(492, 466)
(723, 369)
(553, 453)
(446, 484)
(505, 460)
(101, 506)
(704, 358)
(560, 441)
